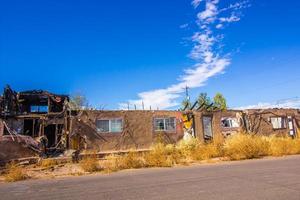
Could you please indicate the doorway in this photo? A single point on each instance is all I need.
(31, 127)
(207, 127)
(53, 132)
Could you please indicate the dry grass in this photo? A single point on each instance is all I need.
(111, 163)
(280, 146)
(246, 146)
(236, 147)
(131, 160)
(15, 173)
(161, 156)
(206, 151)
(90, 164)
(48, 163)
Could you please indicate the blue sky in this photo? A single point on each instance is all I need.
(112, 51)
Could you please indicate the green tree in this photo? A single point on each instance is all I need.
(220, 102)
(204, 101)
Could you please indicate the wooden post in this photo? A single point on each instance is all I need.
(33, 125)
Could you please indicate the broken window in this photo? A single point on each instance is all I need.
(229, 122)
(278, 122)
(165, 124)
(109, 125)
(38, 109)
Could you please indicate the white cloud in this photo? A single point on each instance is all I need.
(288, 103)
(210, 12)
(196, 3)
(218, 26)
(232, 18)
(208, 61)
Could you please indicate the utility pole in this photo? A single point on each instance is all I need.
(187, 93)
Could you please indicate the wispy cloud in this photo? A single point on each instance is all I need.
(184, 25)
(196, 3)
(287, 103)
(209, 61)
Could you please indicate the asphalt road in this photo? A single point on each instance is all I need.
(254, 179)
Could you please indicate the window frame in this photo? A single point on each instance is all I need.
(230, 123)
(164, 124)
(39, 108)
(110, 125)
(284, 122)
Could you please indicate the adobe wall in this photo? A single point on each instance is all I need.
(259, 120)
(13, 150)
(138, 129)
(217, 128)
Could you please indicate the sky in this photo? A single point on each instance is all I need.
(120, 52)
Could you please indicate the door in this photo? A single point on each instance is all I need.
(207, 127)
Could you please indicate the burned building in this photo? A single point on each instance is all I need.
(31, 120)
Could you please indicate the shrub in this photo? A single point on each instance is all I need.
(15, 173)
(90, 164)
(246, 146)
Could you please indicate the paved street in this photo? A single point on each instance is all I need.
(254, 179)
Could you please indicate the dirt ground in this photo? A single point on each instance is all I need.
(74, 169)
(60, 170)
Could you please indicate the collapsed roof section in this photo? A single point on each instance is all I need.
(30, 102)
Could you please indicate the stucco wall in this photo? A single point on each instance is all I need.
(255, 121)
(260, 120)
(138, 129)
(217, 128)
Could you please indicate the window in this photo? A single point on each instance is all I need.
(278, 122)
(38, 109)
(109, 125)
(230, 122)
(165, 124)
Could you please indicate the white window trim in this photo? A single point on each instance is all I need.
(164, 119)
(109, 125)
(284, 122)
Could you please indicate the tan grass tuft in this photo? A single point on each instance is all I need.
(48, 163)
(246, 146)
(280, 146)
(15, 173)
(90, 164)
